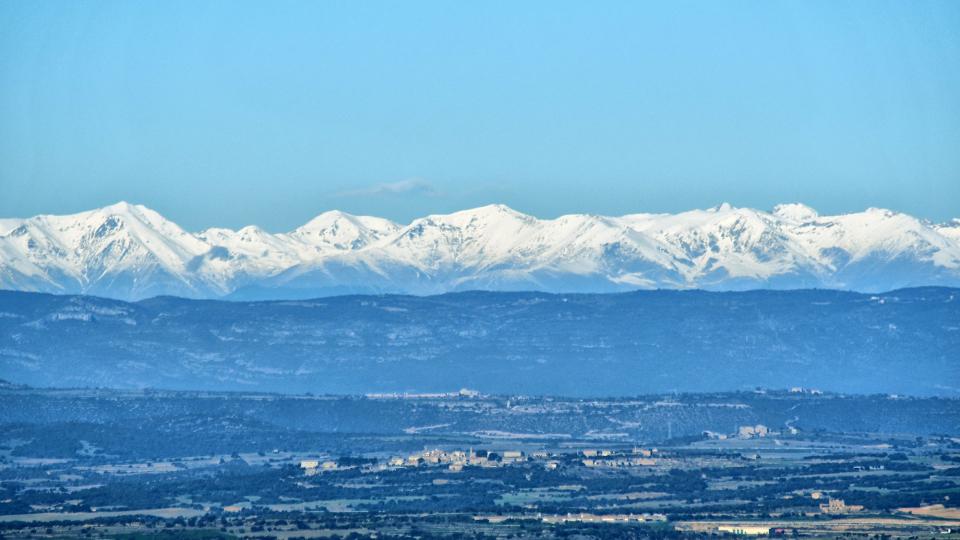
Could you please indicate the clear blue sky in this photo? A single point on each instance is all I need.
(230, 113)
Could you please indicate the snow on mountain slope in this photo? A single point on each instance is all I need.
(119, 250)
(244, 258)
(131, 252)
(727, 247)
(878, 249)
(950, 229)
(9, 224)
(336, 231)
(469, 239)
(240, 257)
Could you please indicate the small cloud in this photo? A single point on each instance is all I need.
(403, 187)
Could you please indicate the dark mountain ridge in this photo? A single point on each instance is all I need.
(905, 341)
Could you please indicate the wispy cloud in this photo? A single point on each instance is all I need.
(412, 186)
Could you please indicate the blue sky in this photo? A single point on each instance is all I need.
(230, 113)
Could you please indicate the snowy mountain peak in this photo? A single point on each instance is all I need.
(795, 212)
(338, 231)
(886, 213)
(491, 213)
(334, 218)
(722, 207)
(503, 210)
(122, 207)
(326, 219)
(130, 251)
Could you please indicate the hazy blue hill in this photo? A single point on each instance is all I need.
(192, 423)
(905, 341)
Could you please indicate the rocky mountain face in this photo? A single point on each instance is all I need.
(131, 252)
(624, 344)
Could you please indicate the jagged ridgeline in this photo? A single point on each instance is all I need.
(131, 252)
(906, 341)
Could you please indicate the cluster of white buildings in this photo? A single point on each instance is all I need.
(314, 466)
(638, 457)
(744, 529)
(581, 517)
(462, 393)
(603, 518)
(456, 460)
(838, 506)
(758, 431)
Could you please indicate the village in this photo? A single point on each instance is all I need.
(456, 460)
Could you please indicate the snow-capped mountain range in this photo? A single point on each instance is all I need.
(131, 252)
